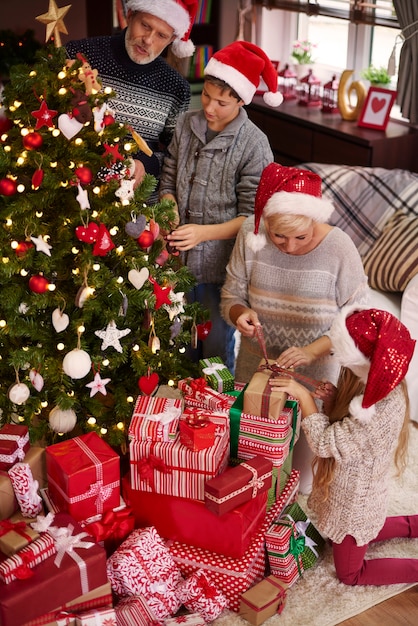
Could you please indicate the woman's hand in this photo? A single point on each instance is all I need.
(246, 322)
(295, 357)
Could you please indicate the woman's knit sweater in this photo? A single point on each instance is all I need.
(363, 453)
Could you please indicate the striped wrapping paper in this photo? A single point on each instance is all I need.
(17, 566)
(155, 419)
(173, 469)
(284, 554)
(134, 610)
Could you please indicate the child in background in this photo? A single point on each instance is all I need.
(364, 426)
(212, 170)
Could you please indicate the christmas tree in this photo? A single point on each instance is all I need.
(92, 302)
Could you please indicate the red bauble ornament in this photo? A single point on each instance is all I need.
(38, 284)
(203, 330)
(84, 175)
(8, 187)
(108, 119)
(87, 234)
(145, 239)
(148, 383)
(32, 141)
(22, 248)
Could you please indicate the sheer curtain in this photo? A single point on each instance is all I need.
(407, 99)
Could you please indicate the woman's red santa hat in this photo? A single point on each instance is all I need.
(287, 191)
(179, 14)
(242, 65)
(377, 347)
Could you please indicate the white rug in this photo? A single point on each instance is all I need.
(318, 599)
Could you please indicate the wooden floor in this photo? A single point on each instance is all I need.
(401, 610)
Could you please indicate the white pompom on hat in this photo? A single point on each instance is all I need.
(241, 65)
(179, 14)
(376, 344)
(287, 191)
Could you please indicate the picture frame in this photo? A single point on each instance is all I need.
(376, 109)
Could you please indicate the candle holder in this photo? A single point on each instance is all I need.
(287, 83)
(310, 91)
(330, 96)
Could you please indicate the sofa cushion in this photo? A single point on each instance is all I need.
(393, 259)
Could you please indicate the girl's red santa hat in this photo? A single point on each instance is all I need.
(179, 14)
(287, 191)
(242, 65)
(376, 347)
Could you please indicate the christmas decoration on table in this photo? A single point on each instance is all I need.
(26, 489)
(217, 374)
(155, 419)
(199, 594)
(144, 565)
(67, 245)
(14, 443)
(263, 600)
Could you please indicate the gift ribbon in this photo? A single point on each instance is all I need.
(255, 483)
(114, 524)
(147, 465)
(20, 565)
(19, 453)
(302, 527)
(66, 543)
(296, 544)
(7, 526)
(200, 390)
(63, 618)
(213, 369)
(165, 418)
(208, 589)
(43, 523)
(196, 418)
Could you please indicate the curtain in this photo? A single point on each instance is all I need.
(407, 88)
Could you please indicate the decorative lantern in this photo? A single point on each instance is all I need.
(287, 83)
(330, 96)
(310, 91)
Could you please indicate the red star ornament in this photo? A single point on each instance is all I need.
(113, 151)
(161, 294)
(44, 116)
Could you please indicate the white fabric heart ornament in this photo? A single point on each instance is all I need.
(138, 278)
(69, 126)
(60, 320)
(36, 379)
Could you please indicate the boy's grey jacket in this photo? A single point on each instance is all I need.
(214, 182)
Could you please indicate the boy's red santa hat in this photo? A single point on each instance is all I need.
(287, 191)
(241, 65)
(179, 14)
(377, 347)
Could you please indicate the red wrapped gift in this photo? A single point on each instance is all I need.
(143, 565)
(35, 457)
(284, 550)
(155, 418)
(238, 484)
(197, 431)
(20, 566)
(134, 610)
(112, 528)
(83, 476)
(190, 522)
(197, 393)
(78, 567)
(263, 600)
(186, 619)
(234, 576)
(199, 594)
(14, 443)
(173, 469)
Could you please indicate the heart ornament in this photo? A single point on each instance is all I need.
(138, 278)
(148, 384)
(60, 320)
(87, 234)
(136, 227)
(69, 126)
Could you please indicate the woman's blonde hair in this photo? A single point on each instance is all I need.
(287, 224)
(348, 386)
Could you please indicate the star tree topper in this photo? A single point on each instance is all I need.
(54, 21)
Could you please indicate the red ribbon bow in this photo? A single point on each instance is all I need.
(208, 589)
(196, 418)
(114, 524)
(146, 467)
(198, 384)
(23, 571)
(7, 526)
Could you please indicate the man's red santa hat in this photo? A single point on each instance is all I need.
(179, 14)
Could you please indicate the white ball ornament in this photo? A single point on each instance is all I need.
(62, 421)
(77, 363)
(19, 393)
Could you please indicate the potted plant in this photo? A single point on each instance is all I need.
(377, 76)
(302, 54)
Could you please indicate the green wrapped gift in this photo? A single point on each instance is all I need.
(217, 374)
(314, 542)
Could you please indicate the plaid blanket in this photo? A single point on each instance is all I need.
(366, 197)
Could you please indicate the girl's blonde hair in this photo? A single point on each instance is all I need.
(287, 224)
(348, 386)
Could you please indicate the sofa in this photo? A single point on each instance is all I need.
(378, 208)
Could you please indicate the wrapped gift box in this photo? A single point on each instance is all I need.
(252, 435)
(238, 484)
(134, 610)
(143, 565)
(199, 594)
(83, 476)
(155, 418)
(190, 522)
(197, 393)
(97, 617)
(284, 549)
(173, 469)
(35, 458)
(186, 619)
(197, 431)
(20, 565)
(234, 576)
(313, 541)
(263, 600)
(14, 443)
(65, 615)
(15, 534)
(74, 572)
(260, 398)
(217, 374)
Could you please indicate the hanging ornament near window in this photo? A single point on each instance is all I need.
(203, 330)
